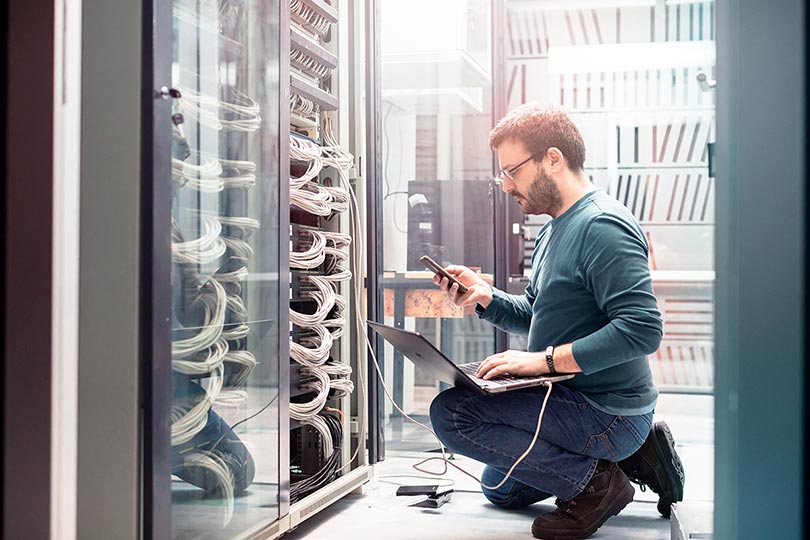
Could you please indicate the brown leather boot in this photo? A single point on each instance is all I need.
(657, 465)
(608, 492)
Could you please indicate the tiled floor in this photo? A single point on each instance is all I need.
(378, 514)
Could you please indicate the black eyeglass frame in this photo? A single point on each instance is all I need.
(510, 173)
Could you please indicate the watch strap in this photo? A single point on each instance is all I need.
(550, 359)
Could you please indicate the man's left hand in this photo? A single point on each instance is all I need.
(510, 362)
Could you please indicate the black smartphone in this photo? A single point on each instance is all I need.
(417, 490)
(438, 269)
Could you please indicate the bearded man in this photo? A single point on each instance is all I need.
(588, 309)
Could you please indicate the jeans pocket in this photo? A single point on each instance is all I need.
(601, 445)
(639, 426)
(622, 438)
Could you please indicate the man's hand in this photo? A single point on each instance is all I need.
(516, 363)
(479, 291)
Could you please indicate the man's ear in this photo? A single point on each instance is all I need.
(556, 159)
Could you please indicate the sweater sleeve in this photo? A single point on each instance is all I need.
(614, 267)
(510, 312)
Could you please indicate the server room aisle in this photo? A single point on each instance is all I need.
(378, 512)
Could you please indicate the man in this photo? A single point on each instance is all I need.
(588, 309)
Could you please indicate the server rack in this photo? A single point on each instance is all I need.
(254, 408)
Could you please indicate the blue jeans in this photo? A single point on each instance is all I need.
(496, 429)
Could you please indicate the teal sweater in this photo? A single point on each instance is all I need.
(590, 286)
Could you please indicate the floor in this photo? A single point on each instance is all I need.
(377, 513)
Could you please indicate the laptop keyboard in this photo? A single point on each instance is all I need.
(470, 369)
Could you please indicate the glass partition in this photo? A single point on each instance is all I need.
(437, 190)
(225, 283)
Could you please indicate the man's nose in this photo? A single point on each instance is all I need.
(507, 185)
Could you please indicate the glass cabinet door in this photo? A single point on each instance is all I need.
(437, 191)
(225, 267)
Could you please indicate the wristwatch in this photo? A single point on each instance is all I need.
(550, 359)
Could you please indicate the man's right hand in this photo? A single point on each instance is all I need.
(479, 291)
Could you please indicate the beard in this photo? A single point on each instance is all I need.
(543, 196)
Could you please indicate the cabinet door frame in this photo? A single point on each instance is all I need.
(761, 307)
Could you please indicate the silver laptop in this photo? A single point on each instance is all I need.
(430, 359)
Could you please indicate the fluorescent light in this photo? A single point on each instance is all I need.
(558, 5)
(630, 56)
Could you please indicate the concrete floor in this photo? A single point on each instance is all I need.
(377, 513)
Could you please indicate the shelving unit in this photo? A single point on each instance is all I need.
(627, 75)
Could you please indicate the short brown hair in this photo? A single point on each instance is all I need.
(539, 127)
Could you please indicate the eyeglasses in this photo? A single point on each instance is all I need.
(510, 173)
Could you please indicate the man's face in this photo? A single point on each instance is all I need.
(531, 186)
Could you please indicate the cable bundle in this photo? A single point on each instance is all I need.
(235, 328)
(324, 296)
(333, 154)
(305, 192)
(236, 231)
(330, 430)
(242, 114)
(211, 327)
(205, 249)
(244, 362)
(335, 327)
(231, 398)
(203, 362)
(313, 379)
(303, 107)
(189, 418)
(312, 198)
(340, 384)
(328, 251)
(213, 463)
(313, 350)
(308, 64)
(238, 173)
(305, 150)
(212, 175)
(337, 248)
(203, 176)
(314, 256)
(239, 228)
(338, 199)
(308, 18)
(209, 362)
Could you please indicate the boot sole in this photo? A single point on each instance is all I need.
(625, 498)
(664, 445)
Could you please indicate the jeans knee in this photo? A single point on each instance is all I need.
(502, 497)
(442, 409)
(513, 494)
(498, 497)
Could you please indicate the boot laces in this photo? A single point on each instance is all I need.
(566, 507)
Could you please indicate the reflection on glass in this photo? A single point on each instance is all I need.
(224, 269)
(437, 198)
